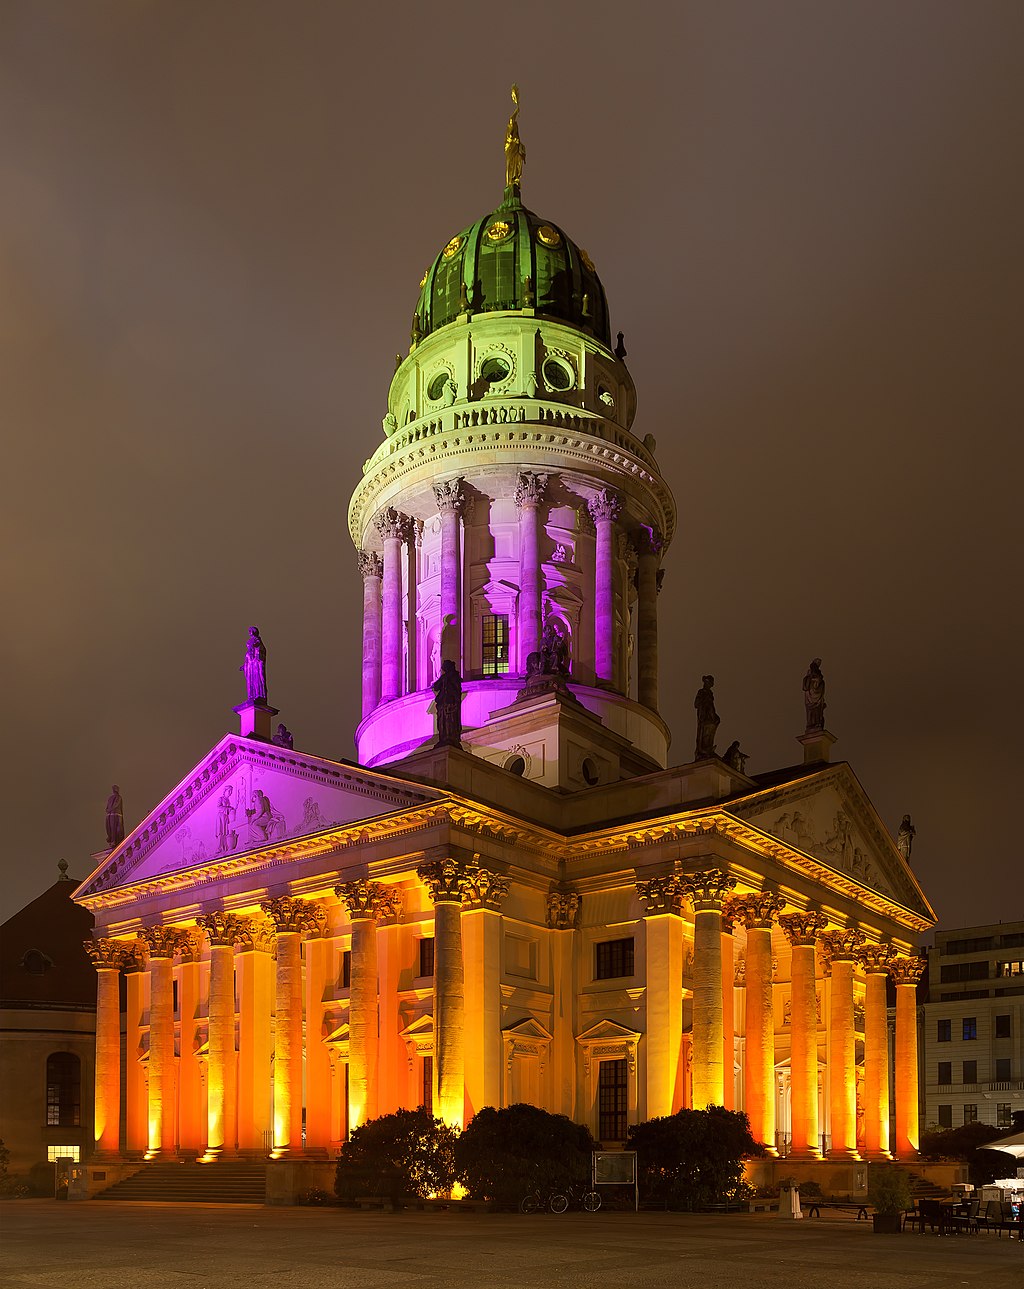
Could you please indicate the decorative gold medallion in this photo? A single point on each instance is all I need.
(588, 263)
(423, 279)
(548, 235)
(453, 247)
(499, 230)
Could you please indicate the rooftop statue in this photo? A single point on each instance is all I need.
(707, 719)
(284, 737)
(735, 758)
(115, 817)
(515, 153)
(254, 667)
(905, 837)
(814, 696)
(554, 652)
(448, 705)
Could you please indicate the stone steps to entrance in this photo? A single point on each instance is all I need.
(191, 1183)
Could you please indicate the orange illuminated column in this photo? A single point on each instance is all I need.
(223, 931)
(663, 935)
(481, 942)
(757, 913)
(841, 949)
(136, 1133)
(365, 901)
(874, 959)
(906, 972)
(319, 1076)
(563, 916)
(254, 968)
(728, 1011)
(291, 919)
(161, 944)
(191, 1107)
(108, 957)
(706, 892)
(801, 930)
(447, 881)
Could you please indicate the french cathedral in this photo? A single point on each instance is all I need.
(510, 895)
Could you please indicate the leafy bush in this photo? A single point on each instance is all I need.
(963, 1143)
(42, 1179)
(315, 1198)
(10, 1187)
(889, 1188)
(693, 1157)
(405, 1153)
(504, 1154)
(810, 1190)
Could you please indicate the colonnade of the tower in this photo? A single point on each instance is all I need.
(390, 596)
(245, 1070)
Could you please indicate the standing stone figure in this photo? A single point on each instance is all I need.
(707, 719)
(115, 817)
(814, 696)
(448, 705)
(734, 758)
(554, 652)
(254, 667)
(905, 837)
(284, 737)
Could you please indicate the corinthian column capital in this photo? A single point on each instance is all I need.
(802, 928)
(222, 928)
(563, 910)
(906, 971)
(109, 955)
(450, 496)
(392, 523)
(841, 946)
(758, 911)
(874, 958)
(370, 564)
(365, 899)
(530, 488)
(486, 890)
(707, 890)
(292, 915)
(164, 941)
(447, 880)
(606, 505)
(660, 894)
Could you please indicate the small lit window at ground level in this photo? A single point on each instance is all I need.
(494, 645)
(54, 1153)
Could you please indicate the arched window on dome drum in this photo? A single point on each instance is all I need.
(63, 1090)
(444, 304)
(499, 275)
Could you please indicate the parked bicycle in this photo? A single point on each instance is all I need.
(589, 1201)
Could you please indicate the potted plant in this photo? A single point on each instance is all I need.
(889, 1195)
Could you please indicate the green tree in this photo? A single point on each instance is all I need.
(504, 1154)
(693, 1157)
(405, 1153)
(964, 1143)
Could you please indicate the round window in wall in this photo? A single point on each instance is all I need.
(590, 774)
(436, 387)
(558, 375)
(516, 765)
(495, 370)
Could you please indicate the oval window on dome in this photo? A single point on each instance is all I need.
(436, 387)
(549, 236)
(499, 230)
(558, 375)
(495, 370)
(453, 247)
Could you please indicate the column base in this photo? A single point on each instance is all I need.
(845, 1154)
(808, 1155)
(164, 1156)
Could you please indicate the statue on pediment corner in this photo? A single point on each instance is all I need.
(814, 696)
(905, 837)
(115, 817)
(708, 719)
(254, 667)
(735, 758)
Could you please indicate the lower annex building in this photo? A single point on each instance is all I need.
(511, 896)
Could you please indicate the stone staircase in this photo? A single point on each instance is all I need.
(922, 1188)
(227, 1182)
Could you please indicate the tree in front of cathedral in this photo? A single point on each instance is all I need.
(693, 1158)
(408, 1153)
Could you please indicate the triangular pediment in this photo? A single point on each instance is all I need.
(244, 796)
(608, 1031)
(528, 1029)
(828, 816)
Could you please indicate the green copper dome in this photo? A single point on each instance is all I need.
(512, 259)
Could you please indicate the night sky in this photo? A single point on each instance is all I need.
(807, 217)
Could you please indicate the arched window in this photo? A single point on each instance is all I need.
(63, 1090)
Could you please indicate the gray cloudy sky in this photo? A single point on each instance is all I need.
(213, 220)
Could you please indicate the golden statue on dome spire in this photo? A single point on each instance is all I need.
(515, 153)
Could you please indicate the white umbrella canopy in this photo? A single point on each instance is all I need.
(1012, 1145)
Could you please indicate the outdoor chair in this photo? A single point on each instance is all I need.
(930, 1213)
(967, 1221)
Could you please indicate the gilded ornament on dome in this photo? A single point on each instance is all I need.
(423, 279)
(588, 263)
(499, 230)
(453, 247)
(549, 236)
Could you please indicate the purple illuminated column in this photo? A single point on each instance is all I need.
(605, 509)
(393, 528)
(451, 500)
(649, 545)
(371, 569)
(529, 495)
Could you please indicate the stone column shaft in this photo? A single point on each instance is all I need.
(759, 1081)
(393, 528)
(255, 1006)
(288, 1045)
(605, 509)
(708, 1029)
(371, 568)
(221, 1075)
(161, 1057)
(647, 620)
(906, 972)
(362, 1041)
(728, 1016)
(876, 1063)
(108, 957)
(136, 1093)
(806, 1133)
(450, 503)
(841, 1060)
(449, 1008)
(529, 495)
(663, 938)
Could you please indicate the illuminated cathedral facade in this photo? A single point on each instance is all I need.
(534, 906)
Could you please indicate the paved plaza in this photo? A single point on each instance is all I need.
(105, 1245)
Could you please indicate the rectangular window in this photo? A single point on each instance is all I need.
(970, 1072)
(1003, 1074)
(63, 1152)
(427, 955)
(612, 1100)
(1004, 1115)
(346, 969)
(970, 1027)
(427, 1085)
(63, 1090)
(494, 645)
(1002, 1029)
(945, 1072)
(964, 971)
(1010, 968)
(613, 960)
(970, 1114)
(945, 1116)
(945, 1032)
